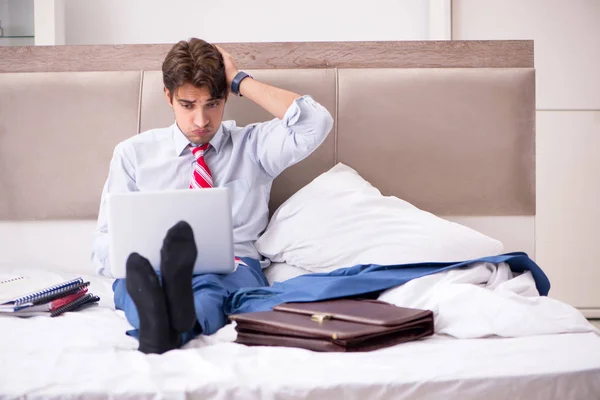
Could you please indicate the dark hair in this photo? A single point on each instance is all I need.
(198, 63)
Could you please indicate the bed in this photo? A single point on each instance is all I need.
(450, 128)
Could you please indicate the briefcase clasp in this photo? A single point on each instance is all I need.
(320, 318)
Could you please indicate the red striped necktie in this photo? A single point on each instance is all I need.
(201, 176)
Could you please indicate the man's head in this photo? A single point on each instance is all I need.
(196, 88)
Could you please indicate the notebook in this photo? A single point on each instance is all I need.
(54, 304)
(15, 285)
(17, 292)
(84, 301)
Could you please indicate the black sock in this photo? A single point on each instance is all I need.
(156, 335)
(178, 256)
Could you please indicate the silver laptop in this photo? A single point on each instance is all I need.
(139, 221)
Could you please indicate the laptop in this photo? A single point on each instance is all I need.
(139, 221)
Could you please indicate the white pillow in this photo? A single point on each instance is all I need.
(340, 220)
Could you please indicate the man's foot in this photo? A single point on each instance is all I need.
(178, 256)
(156, 335)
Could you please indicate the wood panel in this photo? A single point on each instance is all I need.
(398, 54)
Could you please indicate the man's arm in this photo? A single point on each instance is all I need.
(271, 98)
(301, 126)
(121, 178)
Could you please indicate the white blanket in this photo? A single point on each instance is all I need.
(485, 300)
(87, 354)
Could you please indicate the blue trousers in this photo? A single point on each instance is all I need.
(210, 292)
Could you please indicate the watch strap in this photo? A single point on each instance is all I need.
(237, 80)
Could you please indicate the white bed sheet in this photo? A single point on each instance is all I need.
(87, 353)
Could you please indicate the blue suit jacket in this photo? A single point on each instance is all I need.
(362, 280)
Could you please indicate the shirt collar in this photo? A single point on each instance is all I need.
(217, 141)
(181, 142)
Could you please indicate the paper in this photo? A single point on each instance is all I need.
(18, 286)
(6, 277)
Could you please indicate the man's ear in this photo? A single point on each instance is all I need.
(168, 97)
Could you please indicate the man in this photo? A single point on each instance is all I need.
(200, 150)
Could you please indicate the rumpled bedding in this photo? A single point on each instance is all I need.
(487, 299)
(87, 354)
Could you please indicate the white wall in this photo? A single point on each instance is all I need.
(158, 21)
(566, 37)
(49, 22)
(567, 43)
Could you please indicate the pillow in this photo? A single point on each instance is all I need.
(340, 220)
(280, 272)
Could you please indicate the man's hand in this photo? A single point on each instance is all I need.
(230, 67)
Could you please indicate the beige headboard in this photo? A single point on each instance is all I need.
(447, 126)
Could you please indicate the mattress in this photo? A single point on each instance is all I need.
(87, 354)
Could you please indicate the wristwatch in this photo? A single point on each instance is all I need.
(235, 83)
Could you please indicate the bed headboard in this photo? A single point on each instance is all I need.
(448, 126)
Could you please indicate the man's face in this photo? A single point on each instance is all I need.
(197, 114)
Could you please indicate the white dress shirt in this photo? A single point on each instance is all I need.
(245, 159)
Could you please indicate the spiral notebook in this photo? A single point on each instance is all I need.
(18, 292)
(81, 302)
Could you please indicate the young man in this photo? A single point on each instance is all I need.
(200, 150)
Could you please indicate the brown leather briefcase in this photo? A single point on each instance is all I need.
(342, 325)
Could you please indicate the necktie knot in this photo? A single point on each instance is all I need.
(199, 151)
